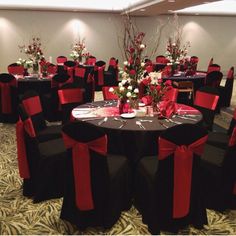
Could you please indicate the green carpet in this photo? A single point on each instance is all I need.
(18, 215)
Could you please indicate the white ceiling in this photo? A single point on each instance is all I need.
(134, 7)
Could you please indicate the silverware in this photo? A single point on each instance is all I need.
(186, 118)
(102, 121)
(140, 124)
(164, 125)
(146, 120)
(122, 121)
(174, 122)
(95, 118)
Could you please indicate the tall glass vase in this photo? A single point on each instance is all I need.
(35, 68)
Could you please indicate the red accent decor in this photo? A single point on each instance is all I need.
(213, 68)
(100, 70)
(61, 60)
(232, 141)
(21, 128)
(15, 70)
(91, 61)
(167, 108)
(80, 72)
(81, 168)
(70, 95)
(52, 69)
(183, 158)
(149, 68)
(113, 63)
(32, 105)
(107, 95)
(230, 74)
(206, 100)
(6, 96)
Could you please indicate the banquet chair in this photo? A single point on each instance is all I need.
(97, 183)
(32, 106)
(168, 188)
(219, 174)
(213, 79)
(15, 69)
(40, 164)
(219, 138)
(8, 98)
(107, 95)
(52, 69)
(50, 101)
(194, 62)
(227, 89)
(98, 74)
(206, 100)
(79, 77)
(91, 60)
(69, 67)
(60, 64)
(185, 87)
(113, 68)
(70, 96)
(213, 67)
(161, 59)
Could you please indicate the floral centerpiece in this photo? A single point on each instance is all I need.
(25, 63)
(44, 66)
(127, 92)
(79, 51)
(33, 52)
(175, 53)
(155, 88)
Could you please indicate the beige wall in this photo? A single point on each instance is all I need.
(209, 36)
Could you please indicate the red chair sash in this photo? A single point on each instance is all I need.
(91, 61)
(183, 158)
(230, 74)
(81, 168)
(6, 96)
(52, 70)
(70, 95)
(21, 128)
(80, 72)
(206, 100)
(113, 63)
(16, 70)
(232, 140)
(161, 60)
(213, 68)
(194, 60)
(61, 60)
(100, 70)
(32, 105)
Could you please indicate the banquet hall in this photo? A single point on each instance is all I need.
(52, 52)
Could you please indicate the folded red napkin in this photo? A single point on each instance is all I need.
(167, 108)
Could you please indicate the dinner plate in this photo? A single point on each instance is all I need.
(128, 115)
(141, 104)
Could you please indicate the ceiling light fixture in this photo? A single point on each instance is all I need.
(143, 9)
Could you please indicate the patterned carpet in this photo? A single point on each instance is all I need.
(18, 215)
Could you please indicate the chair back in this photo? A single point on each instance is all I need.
(87, 169)
(33, 108)
(113, 68)
(52, 69)
(99, 69)
(107, 95)
(61, 60)
(161, 59)
(213, 67)
(206, 100)
(194, 62)
(178, 178)
(15, 69)
(8, 97)
(229, 84)
(70, 96)
(171, 94)
(91, 61)
(213, 79)
(69, 67)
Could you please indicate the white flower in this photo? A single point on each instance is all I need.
(130, 87)
(120, 84)
(128, 94)
(123, 81)
(122, 89)
(142, 64)
(142, 46)
(136, 90)
(126, 63)
(111, 89)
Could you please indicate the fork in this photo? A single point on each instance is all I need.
(140, 124)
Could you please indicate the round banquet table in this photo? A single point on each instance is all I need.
(131, 140)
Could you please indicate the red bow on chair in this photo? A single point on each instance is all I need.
(183, 157)
(100, 70)
(6, 96)
(81, 166)
(21, 128)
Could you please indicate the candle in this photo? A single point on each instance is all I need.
(50, 59)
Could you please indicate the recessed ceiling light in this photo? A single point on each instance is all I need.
(171, 11)
(143, 9)
(171, 0)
